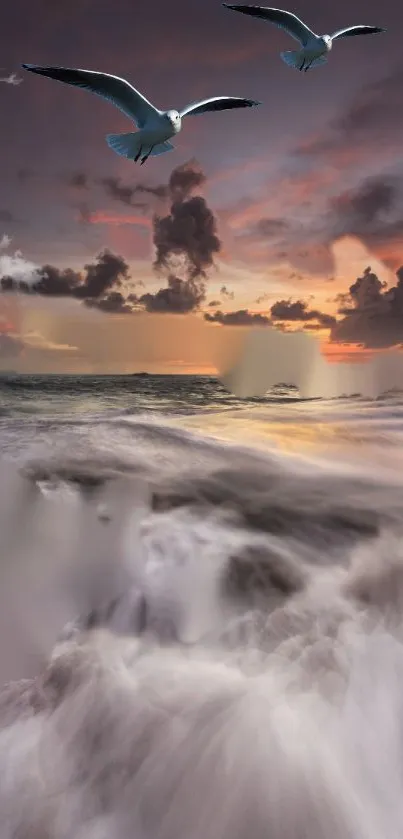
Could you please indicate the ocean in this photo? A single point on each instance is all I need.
(201, 611)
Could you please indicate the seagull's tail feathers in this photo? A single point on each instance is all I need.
(129, 145)
(295, 59)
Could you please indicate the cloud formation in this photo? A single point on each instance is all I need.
(372, 313)
(243, 317)
(12, 79)
(185, 240)
(372, 120)
(286, 310)
(98, 285)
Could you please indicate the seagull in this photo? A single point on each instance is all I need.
(314, 47)
(155, 128)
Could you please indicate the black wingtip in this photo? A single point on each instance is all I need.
(31, 67)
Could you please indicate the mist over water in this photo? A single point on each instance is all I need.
(200, 613)
(266, 356)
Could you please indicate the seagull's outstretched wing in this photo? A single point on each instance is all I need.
(350, 31)
(217, 103)
(285, 20)
(115, 90)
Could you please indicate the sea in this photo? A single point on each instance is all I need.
(201, 611)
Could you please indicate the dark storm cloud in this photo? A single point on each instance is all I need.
(180, 296)
(190, 228)
(114, 303)
(240, 318)
(373, 314)
(286, 310)
(186, 241)
(97, 285)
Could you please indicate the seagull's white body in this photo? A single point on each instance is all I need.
(155, 127)
(313, 48)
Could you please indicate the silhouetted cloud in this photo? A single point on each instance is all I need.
(116, 189)
(180, 296)
(224, 291)
(97, 285)
(213, 304)
(243, 317)
(186, 241)
(373, 314)
(114, 302)
(286, 310)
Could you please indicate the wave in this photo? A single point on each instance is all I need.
(198, 639)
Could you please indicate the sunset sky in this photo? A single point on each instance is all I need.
(270, 216)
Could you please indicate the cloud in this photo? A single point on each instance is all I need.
(16, 268)
(124, 193)
(186, 242)
(12, 79)
(5, 241)
(243, 317)
(180, 296)
(372, 120)
(372, 313)
(114, 303)
(286, 310)
(213, 304)
(226, 293)
(373, 212)
(97, 285)
(37, 341)
(270, 228)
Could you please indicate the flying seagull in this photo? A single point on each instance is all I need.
(313, 47)
(155, 128)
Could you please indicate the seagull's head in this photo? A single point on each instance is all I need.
(327, 41)
(175, 120)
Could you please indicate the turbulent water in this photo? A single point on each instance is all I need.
(201, 598)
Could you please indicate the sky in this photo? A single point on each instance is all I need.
(288, 216)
